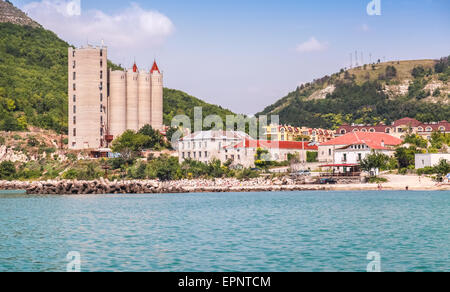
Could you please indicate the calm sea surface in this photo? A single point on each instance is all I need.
(293, 231)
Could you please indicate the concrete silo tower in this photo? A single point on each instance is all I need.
(156, 97)
(117, 117)
(144, 99)
(133, 99)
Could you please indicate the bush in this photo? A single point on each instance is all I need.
(312, 156)
(403, 171)
(7, 170)
(70, 174)
(377, 180)
(2, 140)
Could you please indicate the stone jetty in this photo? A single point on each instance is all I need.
(104, 186)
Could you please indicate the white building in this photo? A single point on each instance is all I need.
(430, 159)
(208, 145)
(244, 153)
(352, 147)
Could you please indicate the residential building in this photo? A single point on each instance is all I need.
(289, 133)
(352, 147)
(430, 159)
(399, 128)
(208, 145)
(244, 153)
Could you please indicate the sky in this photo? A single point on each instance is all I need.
(246, 54)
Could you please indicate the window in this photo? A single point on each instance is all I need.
(189, 154)
(372, 130)
(74, 63)
(343, 132)
(195, 155)
(345, 157)
(101, 132)
(359, 157)
(101, 97)
(329, 152)
(101, 120)
(101, 52)
(74, 87)
(206, 154)
(441, 129)
(74, 75)
(101, 63)
(74, 98)
(74, 120)
(101, 86)
(101, 74)
(74, 132)
(74, 109)
(73, 53)
(199, 154)
(429, 129)
(182, 155)
(101, 108)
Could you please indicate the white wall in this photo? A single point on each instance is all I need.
(431, 159)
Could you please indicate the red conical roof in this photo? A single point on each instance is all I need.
(135, 68)
(155, 68)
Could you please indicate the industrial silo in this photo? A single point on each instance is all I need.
(144, 99)
(156, 98)
(117, 103)
(132, 99)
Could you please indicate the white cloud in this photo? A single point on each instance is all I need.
(312, 45)
(130, 28)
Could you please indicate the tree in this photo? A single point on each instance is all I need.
(262, 159)
(7, 170)
(130, 144)
(391, 72)
(416, 140)
(443, 168)
(155, 139)
(375, 160)
(406, 156)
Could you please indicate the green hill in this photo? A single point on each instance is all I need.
(370, 94)
(33, 82)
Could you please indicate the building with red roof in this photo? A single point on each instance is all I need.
(352, 147)
(399, 128)
(244, 152)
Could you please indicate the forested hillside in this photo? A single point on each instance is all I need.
(33, 82)
(370, 94)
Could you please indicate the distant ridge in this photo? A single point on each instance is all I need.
(11, 14)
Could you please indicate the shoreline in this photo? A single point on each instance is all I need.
(102, 186)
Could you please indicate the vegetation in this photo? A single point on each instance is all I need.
(33, 82)
(360, 96)
(180, 103)
(375, 160)
(442, 169)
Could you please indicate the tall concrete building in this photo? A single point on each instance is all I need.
(103, 104)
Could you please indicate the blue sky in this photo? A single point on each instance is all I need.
(245, 55)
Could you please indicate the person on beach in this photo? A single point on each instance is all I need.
(407, 188)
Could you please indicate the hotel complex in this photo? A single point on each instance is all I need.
(104, 103)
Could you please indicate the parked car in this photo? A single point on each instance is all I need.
(327, 181)
(302, 173)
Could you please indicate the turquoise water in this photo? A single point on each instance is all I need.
(292, 231)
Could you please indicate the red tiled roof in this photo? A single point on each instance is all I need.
(275, 145)
(374, 139)
(407, 121)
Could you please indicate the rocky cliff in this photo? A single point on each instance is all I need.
(9, 13)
